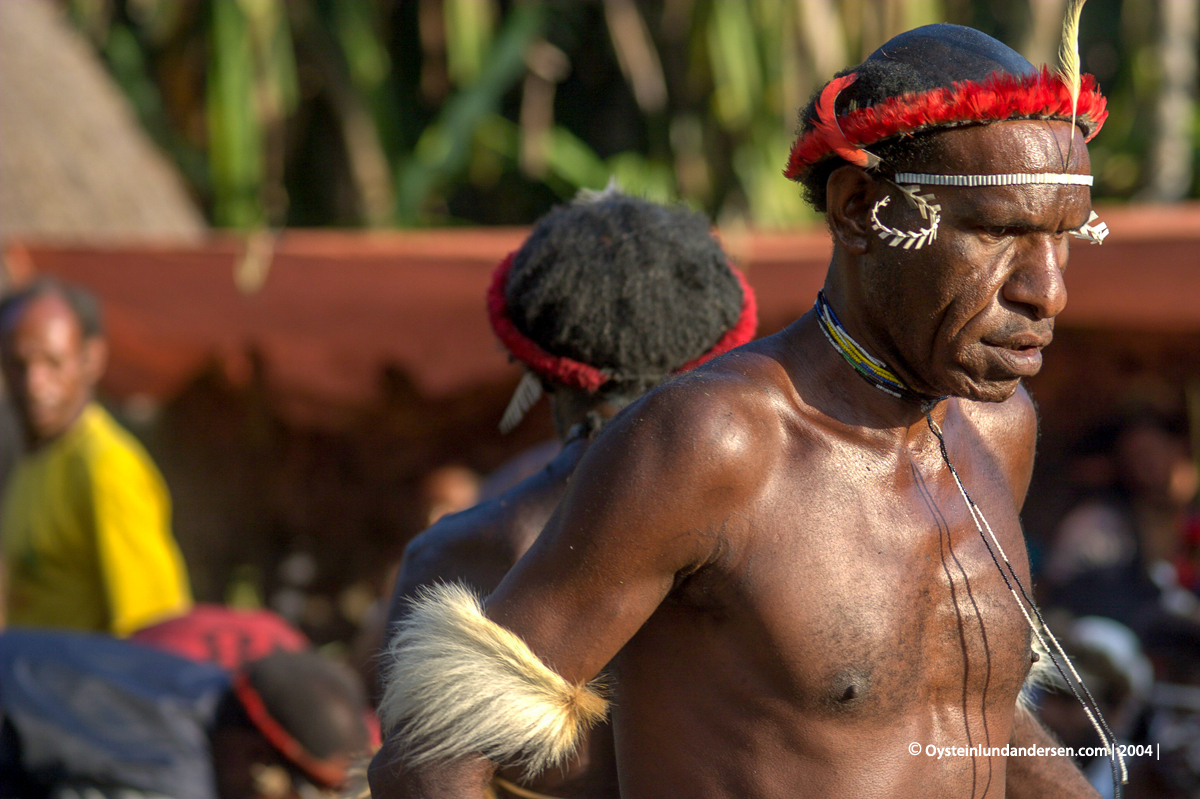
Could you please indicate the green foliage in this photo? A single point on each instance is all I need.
(477, 111)
(443, 150)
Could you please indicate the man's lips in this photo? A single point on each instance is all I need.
(1022, 354)
(1022, 341)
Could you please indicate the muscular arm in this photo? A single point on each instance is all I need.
(1051, 777)
(648, 505)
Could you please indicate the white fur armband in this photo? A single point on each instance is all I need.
(459, 684)
(1042, 676)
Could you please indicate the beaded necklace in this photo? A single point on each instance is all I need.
(879, 375)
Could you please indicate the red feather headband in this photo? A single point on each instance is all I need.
(581, 375)
(1042, 95)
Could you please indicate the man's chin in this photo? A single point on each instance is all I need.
(987, 389)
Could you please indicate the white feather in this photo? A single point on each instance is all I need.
(1068, 61)
(528, 392)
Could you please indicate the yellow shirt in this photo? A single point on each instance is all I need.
(86, 531)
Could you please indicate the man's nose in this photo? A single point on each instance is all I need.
(39, 380)
(1037, 282)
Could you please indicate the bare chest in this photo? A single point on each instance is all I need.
(875, 592)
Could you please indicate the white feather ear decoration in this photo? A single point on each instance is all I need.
(1092, 231)
(528, 392)
(910, 239)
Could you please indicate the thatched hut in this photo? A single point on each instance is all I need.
(75, 164)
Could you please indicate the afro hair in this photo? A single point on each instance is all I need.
(626, 285)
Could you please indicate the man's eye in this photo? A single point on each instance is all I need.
(997, 231)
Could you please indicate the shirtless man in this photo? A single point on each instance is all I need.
(771, 550)
(635, 289)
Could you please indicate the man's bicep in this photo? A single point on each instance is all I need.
(609, 555)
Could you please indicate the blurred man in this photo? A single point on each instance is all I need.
(86, 522)
(445, 490)
(799, 555)
(611, 288)
(1116, 552)
(1173, 722)
(93, 716)
(1109, 658)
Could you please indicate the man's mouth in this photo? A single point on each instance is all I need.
(1021, 354)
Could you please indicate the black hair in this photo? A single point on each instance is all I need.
(920, 60)
(82, 303)
(319, 702)
(626, 285)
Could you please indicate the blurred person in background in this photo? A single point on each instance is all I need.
(1172, 643)
(229, 637)
(447, 489)
(86, 523)
(92, 716)
(623, 291)
(1109, 658)
(1118, 552)
(444, 490)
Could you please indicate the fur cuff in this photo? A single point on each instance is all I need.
(458, 684)
(1043, 676)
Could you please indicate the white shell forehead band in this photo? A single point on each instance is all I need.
(1011, 179)
(909, 184)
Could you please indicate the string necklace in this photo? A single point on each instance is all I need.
(879, 375)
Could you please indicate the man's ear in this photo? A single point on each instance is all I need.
(95, 359)
(850, 193)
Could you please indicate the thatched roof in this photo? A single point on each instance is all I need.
(74, 162)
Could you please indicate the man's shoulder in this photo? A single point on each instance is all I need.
(103, 443)
(1014, 417)
(739, 399)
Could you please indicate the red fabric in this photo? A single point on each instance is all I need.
(228, 637)
(1002, 96)
(581, 375)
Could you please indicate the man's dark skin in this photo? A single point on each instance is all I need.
(776, 550)
(478, 547)
(50, 367)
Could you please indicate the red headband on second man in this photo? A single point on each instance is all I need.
(566, 370)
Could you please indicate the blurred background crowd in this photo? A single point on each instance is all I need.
(314, 398)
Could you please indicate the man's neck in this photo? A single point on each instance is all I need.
(33, 442)
(831, 385)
